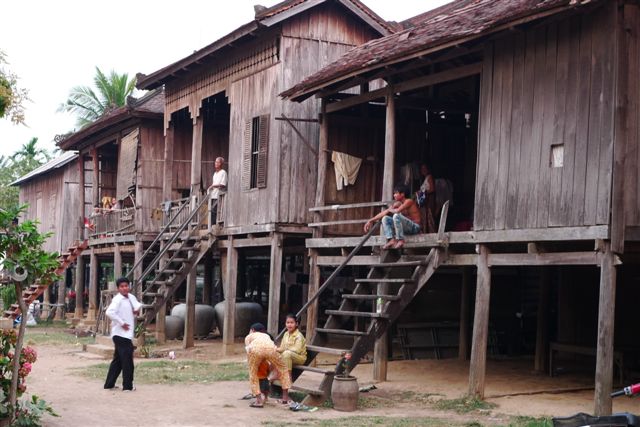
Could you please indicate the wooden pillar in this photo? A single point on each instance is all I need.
(46, 299)
(93, 285)
(62, 290)
(79, 288)
(230, 284)
(465, 293)
(196, 153)
(138, 248)
(161, 315)
(117, 266)
(95, 182)
(167, 182)
(542, 321)
(275, 277)
(380, 350)
(190, 315)
(606, 317)
(207, 290)
(478, 363)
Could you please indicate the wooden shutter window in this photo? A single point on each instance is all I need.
(263, 152)
(246, 157)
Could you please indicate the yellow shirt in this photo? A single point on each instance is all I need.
(257, 340)
(294, 342)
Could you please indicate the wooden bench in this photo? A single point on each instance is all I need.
(556, 347)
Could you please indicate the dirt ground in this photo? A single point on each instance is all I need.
(83, 402)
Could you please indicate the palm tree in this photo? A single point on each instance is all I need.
(31, 152)
(89, 104)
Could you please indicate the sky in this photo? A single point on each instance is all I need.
(55, 45)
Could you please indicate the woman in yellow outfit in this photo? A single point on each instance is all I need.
(260, 348)
(293, 347)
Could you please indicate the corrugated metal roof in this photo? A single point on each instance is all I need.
(264, 18)
(56, 163)
(455, 21)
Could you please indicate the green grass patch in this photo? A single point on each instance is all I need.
(530, 422)
(463, 405)
(54, 336)
(173, 372)
(369, 421)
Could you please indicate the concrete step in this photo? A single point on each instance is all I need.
(104, 340)
(100, 349)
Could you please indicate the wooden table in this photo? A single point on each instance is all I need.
(556, 347)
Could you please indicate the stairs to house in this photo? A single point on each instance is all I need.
(366, 313)
(178, 252)
(36, 289)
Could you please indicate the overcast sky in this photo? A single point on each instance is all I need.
(55, 45)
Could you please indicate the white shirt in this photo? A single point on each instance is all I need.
(120, 311)
(219, 178)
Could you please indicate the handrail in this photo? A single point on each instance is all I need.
(174, 237)
(334, 274)
(156, 240)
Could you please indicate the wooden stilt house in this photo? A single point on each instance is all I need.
(119, 158)
(530, 110)
(222, 101)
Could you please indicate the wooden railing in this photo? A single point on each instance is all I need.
(110, 222)
(339, 208)
(173, 212)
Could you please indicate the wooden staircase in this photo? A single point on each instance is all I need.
(36, 289)
(376, 302)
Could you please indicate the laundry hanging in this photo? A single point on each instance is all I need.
(346, 168)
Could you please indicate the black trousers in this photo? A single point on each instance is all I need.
(122, 362)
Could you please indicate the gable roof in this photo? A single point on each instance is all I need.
(264, 18)
(151, 106)
(453, 23)
(51, 165)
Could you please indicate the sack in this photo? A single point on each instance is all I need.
(421, 198)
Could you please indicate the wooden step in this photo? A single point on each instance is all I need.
(357, 314)
(327, 350)
(179, 260)
(312, 391)
(341, 332)
(371, 297)
(313, 369)
(398, 264)
(381, 280)
(9, 312)
(166, 271)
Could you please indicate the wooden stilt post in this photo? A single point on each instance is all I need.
(62, 290)
(138, 248)
(606, 317)
(196, 153)
(167, 183)
(465, 292)
(380, 350)
(93, 285)
(275, 278)
(542, 321)
(477, 368)
(230, 284)
(46, 299)
(190, 315)
(95, 182)
(208, 278)
(79, 288)
(117, 266)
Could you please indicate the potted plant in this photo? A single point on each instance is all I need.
(344, 390)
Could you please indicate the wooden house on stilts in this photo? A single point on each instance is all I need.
(529, 109)
(222, 101)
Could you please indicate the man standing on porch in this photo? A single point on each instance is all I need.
(219, 182)
(405, 219)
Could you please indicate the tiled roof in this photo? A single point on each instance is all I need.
(455, 21)
(56, 163)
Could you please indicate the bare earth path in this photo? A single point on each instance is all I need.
(82, 402)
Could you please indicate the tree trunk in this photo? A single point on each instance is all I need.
(13, 391)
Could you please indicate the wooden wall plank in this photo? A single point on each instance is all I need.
(482, 201)
(631, 187)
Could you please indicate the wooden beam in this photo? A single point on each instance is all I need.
(117, 265)
(542, 320)
(314, 285)
(79, 288)
(388, 174)
(82, 190)
(167, 182)
(196, 154)
(93, 286)
(381, 347)
(230, 286)
(356, 260)
(95, 182)
(551, 258)
(465, 298)
(137, 273)
(478, 363)
(207, 291)
(275, 277)
(606, 320)
(246, 243)
(301, 136)
(188, 339)
(349, 206)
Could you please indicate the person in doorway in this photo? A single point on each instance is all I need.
(218, 184)
(426, 198)
(293, 346)
(122, 311)
(260, 348)
(403, 217)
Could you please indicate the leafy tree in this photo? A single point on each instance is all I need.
(21, 252)
(27, 158)
(111, 91)
(12, 97)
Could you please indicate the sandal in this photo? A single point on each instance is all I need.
(286, 402)
(256, 405)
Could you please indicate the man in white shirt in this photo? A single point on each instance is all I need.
(219, 182)
(122, 311)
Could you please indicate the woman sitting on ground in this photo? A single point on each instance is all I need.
(293, 347)
(260, 348)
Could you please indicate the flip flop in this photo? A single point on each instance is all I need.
(256, 405)
(247, 397)
(286, 402)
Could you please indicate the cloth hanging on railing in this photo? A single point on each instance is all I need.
(346, 168)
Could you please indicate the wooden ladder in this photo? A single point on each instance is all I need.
(36, 289)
